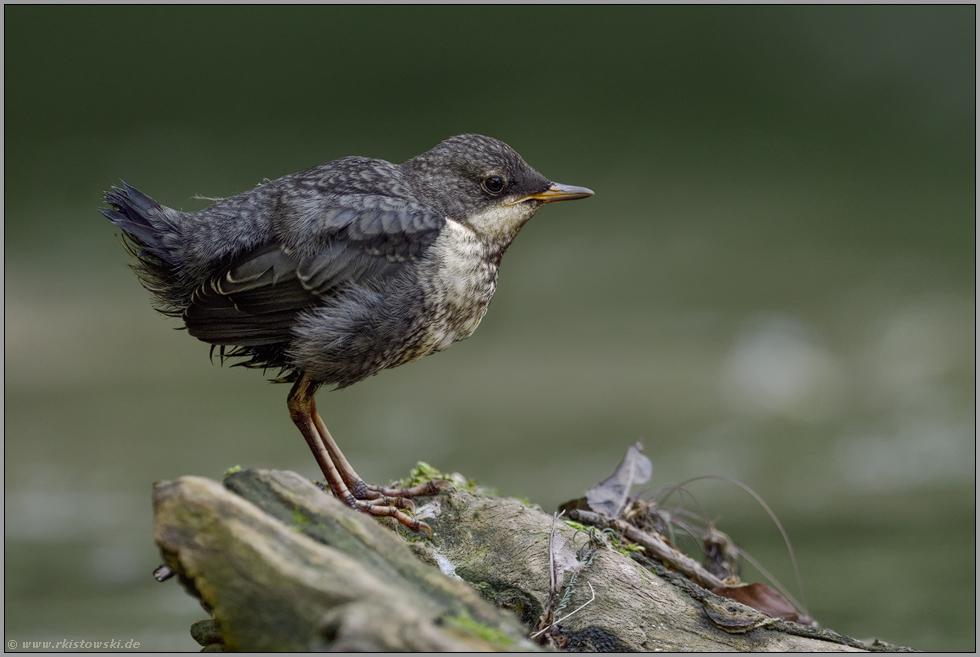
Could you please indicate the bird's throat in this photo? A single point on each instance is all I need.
(499, 226)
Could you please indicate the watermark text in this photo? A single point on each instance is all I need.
(74, 644)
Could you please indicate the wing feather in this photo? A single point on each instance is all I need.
(348, 240)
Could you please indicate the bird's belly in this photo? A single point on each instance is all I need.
(459, 294)
(455, 311)
(462, 327)
(440, 332)
(356, 335)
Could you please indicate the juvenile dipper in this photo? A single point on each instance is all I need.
(335, 273)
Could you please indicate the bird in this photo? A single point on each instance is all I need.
(340, 271)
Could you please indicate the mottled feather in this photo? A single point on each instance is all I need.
(340, 270)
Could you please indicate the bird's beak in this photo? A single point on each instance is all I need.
(559, 192)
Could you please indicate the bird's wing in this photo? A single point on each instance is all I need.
(393, 226)
(254, 300)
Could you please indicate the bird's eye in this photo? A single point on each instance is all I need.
(494, 184)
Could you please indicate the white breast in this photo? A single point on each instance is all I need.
(463, 286)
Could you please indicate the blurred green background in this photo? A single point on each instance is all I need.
(774, 281)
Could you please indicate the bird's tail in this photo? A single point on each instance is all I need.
(144, 219)
(152, 236)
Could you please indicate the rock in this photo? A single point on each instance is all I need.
(305, 573)
(284, 565)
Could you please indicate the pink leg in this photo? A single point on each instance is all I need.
(343, 481)
(357, 486)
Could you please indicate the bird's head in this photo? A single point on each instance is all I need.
(483, 183)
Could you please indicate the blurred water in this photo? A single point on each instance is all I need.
(774, 282)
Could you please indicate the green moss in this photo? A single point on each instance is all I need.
(470, 626)
(486, 589)
(576, 525)
(423, 473)
(232, 470)
(505, 596)
(299, 520)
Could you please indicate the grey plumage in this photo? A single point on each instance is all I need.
(344, 269)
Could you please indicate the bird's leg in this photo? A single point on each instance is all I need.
(303, 412)
(355, 484)
(400, 497)
(300, 410)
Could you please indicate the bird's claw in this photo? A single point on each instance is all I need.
(380, 507)
(427, 489)
(390, 501)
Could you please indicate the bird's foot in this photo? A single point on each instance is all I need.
(388, 506)
(425, 489)
(390, 500)
(377, 499)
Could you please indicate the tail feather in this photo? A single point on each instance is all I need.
(143, 218)
(152, 237)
